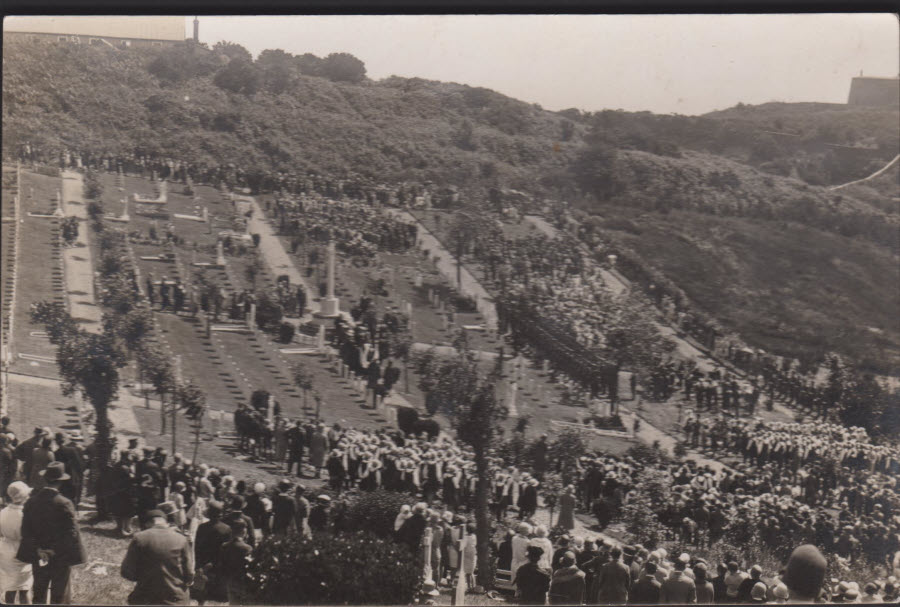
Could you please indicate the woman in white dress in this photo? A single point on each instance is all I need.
(15, 576)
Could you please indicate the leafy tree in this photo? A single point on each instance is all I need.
(308, 64)
(278, 69)
(564, 452)
(596, 171)
(89, 364)
(192, 400)
(93, 188)
(551, 489)
(179, 63)
(239, 76)
(332, 570)
(233, 51)
(157, 368)
(465, 138)
(343, 67)
(467, 397)
(640, 512)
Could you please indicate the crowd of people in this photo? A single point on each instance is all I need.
(358, 230)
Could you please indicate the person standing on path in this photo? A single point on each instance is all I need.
(51, 542)
(15, 576)
(566, 518)
(318, 447)
(161, 561)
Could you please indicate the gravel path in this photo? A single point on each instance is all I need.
(77, 260)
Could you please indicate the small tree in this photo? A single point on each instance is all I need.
(640, 513)
(551, 488)
(564, 452)
(158, 370)
(89, 364)
(192, 400)
(467, 397)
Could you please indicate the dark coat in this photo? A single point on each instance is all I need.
(210, 537)
(567, 586)
(49, 522)
(645, 591)
(410, 532)
(532, 583)
(161, 561)
(613, 581)
(284, 511)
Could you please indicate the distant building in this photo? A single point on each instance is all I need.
(117, 31)
(865, 90)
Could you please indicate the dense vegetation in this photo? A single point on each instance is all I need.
(729, 208)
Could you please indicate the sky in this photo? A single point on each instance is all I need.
(682, 64)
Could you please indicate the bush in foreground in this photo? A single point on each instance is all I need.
(328, 570)
(376, 511)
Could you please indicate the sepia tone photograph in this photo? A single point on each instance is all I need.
(459, 309)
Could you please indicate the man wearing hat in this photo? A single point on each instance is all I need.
(231, 564)
(678, 589)
(25, 449)
(531, 581)
(645, 591)
(613, 579)
(51, 541)
(746, 587)
(211, 536)
(161, 562)
(568, 583)
(236, 513)
(284, 508)
(72, 457)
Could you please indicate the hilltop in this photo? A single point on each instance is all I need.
(732, 207)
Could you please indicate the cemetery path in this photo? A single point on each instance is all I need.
(77, 260)
(470, 285)
(278, 260)
(125, 425)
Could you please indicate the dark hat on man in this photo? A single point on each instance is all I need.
(238, 502)
(214, 507)
(805, 572)
(534, 552)
(55, 471)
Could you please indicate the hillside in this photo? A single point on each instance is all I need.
(731, 207)
(394, 129)
(790, 289)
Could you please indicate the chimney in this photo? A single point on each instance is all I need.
(196, 29)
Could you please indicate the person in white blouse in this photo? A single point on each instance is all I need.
(15, 576)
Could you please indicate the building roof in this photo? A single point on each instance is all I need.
(170, 28)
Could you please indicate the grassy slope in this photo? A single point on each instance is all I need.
(784, 287)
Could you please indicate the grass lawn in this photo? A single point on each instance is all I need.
(39, 273)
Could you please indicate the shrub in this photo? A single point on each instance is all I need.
(643, 454)
(286, 332)
(428, 426)
(330, 570)
(407, 417)
(95, 210)
(375, 511)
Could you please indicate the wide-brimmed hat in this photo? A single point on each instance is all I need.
(55, 471)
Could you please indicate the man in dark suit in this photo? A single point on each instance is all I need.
(161, 561)
(613, 580)
(532, 582)
(72, 457)
(410, 532)
(211, 536)
(25, 449)
(236, 513)
(645, 591)
(231, 564)
(296, 439)
(51, 541)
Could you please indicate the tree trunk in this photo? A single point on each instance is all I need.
(162, 413)
(196, 439)
(143, 387)
(174, 417)
(102, 444)
(482, 517)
